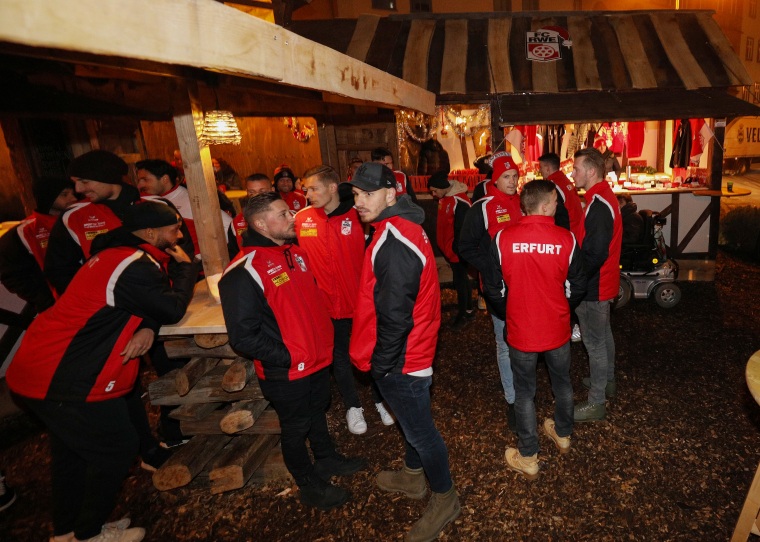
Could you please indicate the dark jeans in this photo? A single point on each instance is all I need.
(301, 406)
(462, 286)
(93, 445)
(409, 398)
(596, 332)
(524, 372)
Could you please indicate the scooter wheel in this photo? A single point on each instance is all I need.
(624, 294)
(667, 295)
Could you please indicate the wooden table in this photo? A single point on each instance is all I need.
(235, 196)
(204, 315)
(747, 521)
(724, 193)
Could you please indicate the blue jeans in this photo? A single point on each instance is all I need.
(524, 368)
(594, 319)
(409, 398)
(502, 359)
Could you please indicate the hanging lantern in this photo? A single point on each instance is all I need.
(219, 128)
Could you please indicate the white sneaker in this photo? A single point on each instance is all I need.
(355, 420)
(385, 416)
(575, 336)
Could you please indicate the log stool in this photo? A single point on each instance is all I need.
(747, 521)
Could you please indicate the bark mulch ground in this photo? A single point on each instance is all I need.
(673, 460)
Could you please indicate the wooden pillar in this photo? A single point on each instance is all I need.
(715, 165)
(199, 175)
(18, 175)
(328, 148)
(497, 132)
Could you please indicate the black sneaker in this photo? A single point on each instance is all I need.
(323, 495)
(154, 458)
(7, 495)
(338, 465)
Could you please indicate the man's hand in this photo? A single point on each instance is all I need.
(139, 344)
(179, 255)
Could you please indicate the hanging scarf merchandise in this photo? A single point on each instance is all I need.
(681, 145)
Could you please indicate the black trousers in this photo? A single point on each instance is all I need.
(462, 286)
(301, 406)
(343, 370)
(162, 363)
(93, 445)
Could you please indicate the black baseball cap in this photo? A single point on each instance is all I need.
(373, 176)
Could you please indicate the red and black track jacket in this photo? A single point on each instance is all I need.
(601, 243)
(403, 186)
(295, 200)
(398, 312)
(569, 213)
(274, 312)
(335, 245)
(543, 269)
(22, 255)
(72, 235)
(487, 217)
(72, 351)
(452, 209)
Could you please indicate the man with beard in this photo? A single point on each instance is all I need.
(79, 360)
(396, 322)
(266, 292)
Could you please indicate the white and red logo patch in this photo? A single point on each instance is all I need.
(543, 45)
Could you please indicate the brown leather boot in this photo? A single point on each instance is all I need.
(442, 509)
(410, 482)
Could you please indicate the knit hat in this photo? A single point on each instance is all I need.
(501, 162)
(283, 172)
(439, 179)
(100, 166)
(47, 189)
(149, 214)
(372, 176)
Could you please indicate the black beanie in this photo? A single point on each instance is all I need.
(439, 179)
(149, 214)
(100, 166)
(47, 189)
(284, 172)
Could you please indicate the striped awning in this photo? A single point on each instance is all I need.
(470, 57)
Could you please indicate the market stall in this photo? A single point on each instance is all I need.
(550, 69)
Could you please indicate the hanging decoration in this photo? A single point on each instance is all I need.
(465, 125)
(410, 123)
(301, 133)
(420, 127)
(219, 128)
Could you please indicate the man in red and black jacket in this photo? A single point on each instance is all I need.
(542, 269)
(381, 155)
(79, 360)
(277, 317)
(499, 209)
(22, 250)
(453, 205)
(255, 184)
(601, 256)
(284, 184)
(569, 213)
(331, 233)
(396, 323)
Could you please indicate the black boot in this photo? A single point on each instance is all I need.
(323, 495)
(338, 465)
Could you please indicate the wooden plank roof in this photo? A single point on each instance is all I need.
(682, 57)
(198, 40)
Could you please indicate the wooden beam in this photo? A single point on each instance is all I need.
(202, 34)
(199, 175)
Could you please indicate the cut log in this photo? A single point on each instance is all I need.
(185, 348)
(207, 390)
(239, 460)
(197, 411)
(211, 340)
(238, 375)
(164, 386)
(188, 461)
(266, 424)
(273, 469)
(242, 415)
(189, 375)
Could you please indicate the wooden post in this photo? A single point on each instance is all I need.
(715, 165)
(199, 175)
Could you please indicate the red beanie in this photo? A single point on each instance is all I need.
(501, 162)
